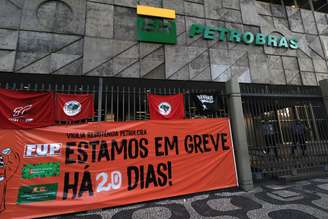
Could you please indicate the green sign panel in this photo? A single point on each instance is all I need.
(37, 193)
(157, 30)
(42, 170)
(234, 35)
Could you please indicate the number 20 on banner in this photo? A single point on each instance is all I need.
(115, 184)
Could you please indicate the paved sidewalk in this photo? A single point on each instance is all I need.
(303, 199)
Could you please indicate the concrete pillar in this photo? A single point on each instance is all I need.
(324, 91)
(239, 135)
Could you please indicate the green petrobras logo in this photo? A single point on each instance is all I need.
(42, 170)
(156, 25)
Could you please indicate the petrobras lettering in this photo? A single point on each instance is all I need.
(42, 150)
(233, 35)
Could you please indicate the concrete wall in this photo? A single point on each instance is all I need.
(98, 37)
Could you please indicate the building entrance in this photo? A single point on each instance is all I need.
(286, 130)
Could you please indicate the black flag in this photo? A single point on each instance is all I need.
(206, 102)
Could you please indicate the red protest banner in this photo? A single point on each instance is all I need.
(65, 169)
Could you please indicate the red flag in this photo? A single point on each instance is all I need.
(74, 107)
(24, 109)
(166, 107)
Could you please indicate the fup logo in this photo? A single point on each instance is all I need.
(156, 25)
(42, 150)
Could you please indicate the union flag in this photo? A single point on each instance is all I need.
(74, 107)
(166, 107)
(25, 109)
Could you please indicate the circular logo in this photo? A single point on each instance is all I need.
(72, 108)
(164, 108)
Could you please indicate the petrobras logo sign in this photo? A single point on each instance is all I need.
(156, 25)
(42, 150)
(72, 108)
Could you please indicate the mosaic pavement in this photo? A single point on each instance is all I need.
(303, 199)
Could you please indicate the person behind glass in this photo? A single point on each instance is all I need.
(298, 131)
(269, 137)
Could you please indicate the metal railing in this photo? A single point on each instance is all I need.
(286, 129)
(126, 99)
(53, 83)
(118, 99)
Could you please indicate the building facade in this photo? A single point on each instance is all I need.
(276, 49)
(99, 38)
